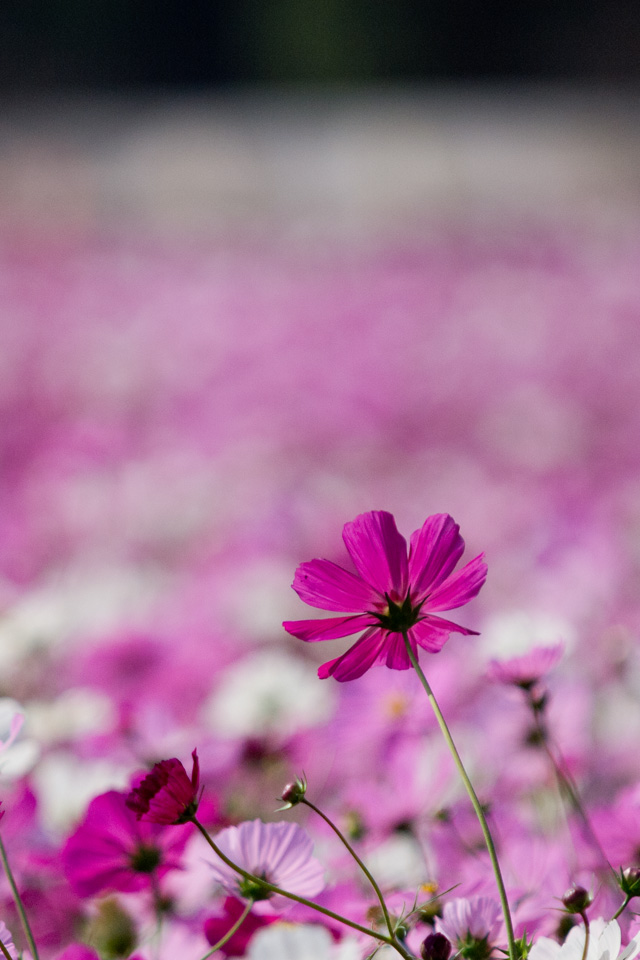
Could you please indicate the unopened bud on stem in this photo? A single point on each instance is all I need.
(294, 792)
(577, 900)
(435, 947)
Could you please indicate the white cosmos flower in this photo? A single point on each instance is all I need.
(304, 942)
(604, 944)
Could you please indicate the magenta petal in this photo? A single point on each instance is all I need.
(324, 584)
(378, 551)
(435, 550)
(433, 632)
(357, 660)
(395, 653)
(459, 588)
(327, 629)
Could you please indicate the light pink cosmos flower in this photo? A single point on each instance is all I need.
(390, 592)
(280, 853)
(462, 919)
(528, 669)
(7, 940)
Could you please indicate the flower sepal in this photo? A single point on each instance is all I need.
(629, 880)
(293, 793)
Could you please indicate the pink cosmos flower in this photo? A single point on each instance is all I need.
(167, 795)
(280, 853)
(525, 671)
(7, 940)
(78, 951)
(110, 850)
(216, 927)
(390, 593)
(462, 919)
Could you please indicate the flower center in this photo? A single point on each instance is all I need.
(253, 889)
(145, 859)
(474, 948)
(398, 617)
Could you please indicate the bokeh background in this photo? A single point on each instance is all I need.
(266, 267)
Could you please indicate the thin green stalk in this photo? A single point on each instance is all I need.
(625, 903)
(488, 839)
(567, 786)
(18, 902)
(5, 951)
(392, 941)
(221, 942)
(586, 936)
(357, 859)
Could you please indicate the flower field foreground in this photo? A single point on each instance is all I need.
(186, 429)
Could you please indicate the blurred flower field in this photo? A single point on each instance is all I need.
(185, 421)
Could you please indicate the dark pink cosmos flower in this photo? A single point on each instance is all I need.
(78, 951)
(110, 850)
(215, 928)
(391, 593)
(167, 795)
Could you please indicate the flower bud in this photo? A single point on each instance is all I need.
(435, 947)
(630, 881)
(577, 900)
(112, 931)
(294, 793)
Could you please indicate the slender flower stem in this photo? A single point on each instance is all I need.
(5, 951)
(221, 942)
(391, 940)
(586, 936)
(18, 902)
(567, 786)
(367, 873)
(488, 839)
(623, 906)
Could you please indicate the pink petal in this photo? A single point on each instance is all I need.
(433, 632)
(327, 629)
(324, 584)
(395, 653)
(357, 660)
(435, 550)
(460, 587)
(378, 551)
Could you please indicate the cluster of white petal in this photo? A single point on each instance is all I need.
(605, 941)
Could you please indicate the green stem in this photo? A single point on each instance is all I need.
(586, 936)
(392, 941)
(567, 786)
(367, 873)
(221, 942)
(18, 902)
(5, 951)
(488, 839)
(625, 903)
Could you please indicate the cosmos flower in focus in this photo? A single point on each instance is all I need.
(391, 593)
(280, 853)
(167, 795)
